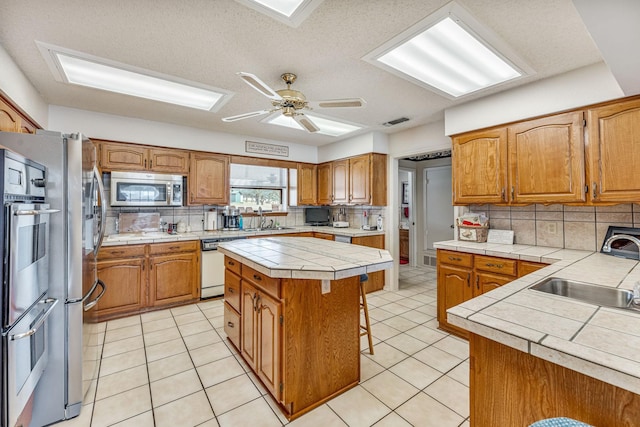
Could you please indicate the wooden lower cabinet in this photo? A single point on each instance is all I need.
(141, 278)
(404, 244)
(511, 388)
(462, 276)
(302, 344)
(376, 279)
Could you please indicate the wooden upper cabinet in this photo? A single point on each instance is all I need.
(546, 159)
(613, 152)
(479, 167)
(359, 183)
(208, 180)
(307, 184)
(131, 157)
(340, 180)
(10, 120)
(325, 183)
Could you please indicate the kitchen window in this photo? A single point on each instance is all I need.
(259, 186)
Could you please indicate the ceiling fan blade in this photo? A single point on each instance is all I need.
(246, 115)
(259, 85)
(306, 123)
(341, 103)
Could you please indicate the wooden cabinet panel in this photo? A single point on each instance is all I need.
(123, 157)
(268, 367)
(307, 184)
(459, 259)
(359, 182)
(232, 289)
(325, 183)
(169, 161)
(126, 287)
(208, 181)
(340, 181)
(479, 167)
(404, 244)
(504, 266)
(376, 279)
(174, 247)
(454, 287)
(526, 267)
(546, 159)
(232, 324)
(613, 152)
(232, 265)
(485, 282)
(174, 278)
(325, 236)
(10, 120)
(266, 283)
(121, 252)
(248, 324)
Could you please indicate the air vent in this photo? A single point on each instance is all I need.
(396, 121)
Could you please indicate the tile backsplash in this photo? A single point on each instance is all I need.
(570, 227)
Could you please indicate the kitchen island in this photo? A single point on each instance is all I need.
(292, 311)
(536, 355)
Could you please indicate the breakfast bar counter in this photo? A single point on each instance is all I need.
(547, 354)
(292, 310)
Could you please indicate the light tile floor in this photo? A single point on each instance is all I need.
(176, 368)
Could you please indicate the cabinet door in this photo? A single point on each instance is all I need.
(526, 267)
(174, 278)
(248, 323)
(454, 287)
(404, 244)
(546, 159)
(307, 184)
(126, 287)
(9, 119)
(485, 282)
(376, 279)
(613, 152)
(340, 182)
(169, 161)
(122, 157)
(325, 183)
(208, 179)
(359, 180)
(269, 311)
(479, 167)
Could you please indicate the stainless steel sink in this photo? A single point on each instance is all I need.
(593, 294)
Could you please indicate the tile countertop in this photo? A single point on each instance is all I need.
(306, 257)
(603, 343)
(158, 237)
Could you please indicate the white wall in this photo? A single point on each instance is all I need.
(419, 140)
(577, 88)
(360, 144)
(119, 128)
(20, 90)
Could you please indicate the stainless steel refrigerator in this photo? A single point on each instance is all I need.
(73, 186)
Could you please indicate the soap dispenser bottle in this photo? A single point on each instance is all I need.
(379, 222)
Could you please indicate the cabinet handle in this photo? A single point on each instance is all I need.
(231, 263)
(192, 198)
(116, 252)
(258, 302)
(594, 190)
(478, 282)
(490, 264)
(452, 258)
(150, 164)
(145, 163)
(504, 196)
(513, 193)
(468, 280)
(174, 247)
(230, 324)
(231, 290)
(256, 277)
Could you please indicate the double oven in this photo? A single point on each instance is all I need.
(24, 299)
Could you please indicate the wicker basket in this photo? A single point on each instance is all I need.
(473, 234)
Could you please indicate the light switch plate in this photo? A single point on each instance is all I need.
(326, 286)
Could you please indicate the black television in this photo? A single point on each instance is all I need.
(317, 216)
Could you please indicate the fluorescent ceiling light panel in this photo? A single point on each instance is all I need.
(84, 70)
(290, 12)
(451, 52)
(328, 127)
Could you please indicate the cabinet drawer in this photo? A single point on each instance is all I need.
(173, 247)
(266, 283)
(455, 258)
(232, 264)
(125, 251)
(232, 289)
(232, 325)
(496, 265)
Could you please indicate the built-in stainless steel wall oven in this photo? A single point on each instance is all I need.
(24, 299)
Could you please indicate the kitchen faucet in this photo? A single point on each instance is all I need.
(606, 247)
(261, 223)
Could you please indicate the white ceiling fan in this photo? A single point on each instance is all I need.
(290, 102)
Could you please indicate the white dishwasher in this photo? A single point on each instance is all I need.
(212, 267)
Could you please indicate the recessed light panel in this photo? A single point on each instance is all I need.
(290, 12)
(85, 70)
(327, 126)
(451, 52)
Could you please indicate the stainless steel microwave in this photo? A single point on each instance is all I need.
(146, 189)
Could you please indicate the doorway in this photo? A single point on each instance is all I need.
(406, 179)
(438, 208)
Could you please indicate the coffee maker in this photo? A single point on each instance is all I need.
(230, 218)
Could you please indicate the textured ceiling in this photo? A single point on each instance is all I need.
(208, 41)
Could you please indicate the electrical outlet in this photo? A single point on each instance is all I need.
(552, 228)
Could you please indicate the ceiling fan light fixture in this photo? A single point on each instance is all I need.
(259, 85)
(342, 103)
(326, 126)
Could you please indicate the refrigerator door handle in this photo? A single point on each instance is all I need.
(36, 212)
(88, 306)
(103, 211)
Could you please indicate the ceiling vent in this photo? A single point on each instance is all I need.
(396, 121)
